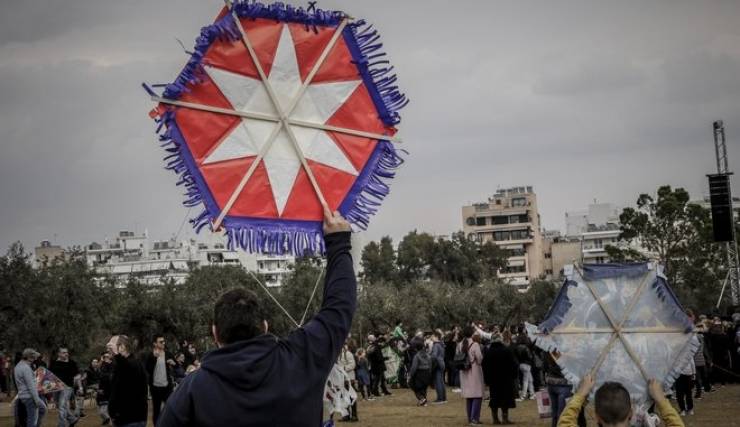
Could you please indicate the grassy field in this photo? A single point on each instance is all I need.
(719, 409)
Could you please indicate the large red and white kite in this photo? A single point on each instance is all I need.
(280, 113)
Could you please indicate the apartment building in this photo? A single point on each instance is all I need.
(130, 255)
(596, 228)
(510, 219)
(558, 251)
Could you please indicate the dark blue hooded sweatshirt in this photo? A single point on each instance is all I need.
(271, 381)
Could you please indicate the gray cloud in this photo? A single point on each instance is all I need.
(581, 100)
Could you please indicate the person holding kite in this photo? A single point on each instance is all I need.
(28, 395)
(257, 379)
(613, 405)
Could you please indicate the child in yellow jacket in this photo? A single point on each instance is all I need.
(613, 405)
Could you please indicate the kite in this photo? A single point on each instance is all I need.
(280, 113)
(48, 383)
(339, 395)
(620, 322)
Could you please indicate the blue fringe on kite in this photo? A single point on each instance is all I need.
(276, 239)
(363, 42)
(559, 307)
(359, 206)
(664, 292)
(607, 270)
(683, 358)
(175, 161)
(287, 13)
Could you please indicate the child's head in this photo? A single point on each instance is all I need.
(612, 404)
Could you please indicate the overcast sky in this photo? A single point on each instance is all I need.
(581, 100)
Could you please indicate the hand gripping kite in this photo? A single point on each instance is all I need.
(279, 113)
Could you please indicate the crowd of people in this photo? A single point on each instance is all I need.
(112, 391)
(466, 360)
(256, 378)
(505, 360)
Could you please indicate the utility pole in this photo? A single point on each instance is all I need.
(723, 173)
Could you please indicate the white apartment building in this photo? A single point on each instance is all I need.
(595, 228)
(130, 255)
(510, 219)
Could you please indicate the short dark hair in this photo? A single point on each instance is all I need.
(155, 337)
(612, 403)
(237, 316)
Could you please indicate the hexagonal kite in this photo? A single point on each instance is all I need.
(279, 113)
(621, 322)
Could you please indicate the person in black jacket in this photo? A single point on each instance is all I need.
(67, 371)
(257, 379)
(501, 372)
(104, 386)
(128, 406)
(159, 365)
(377, 365)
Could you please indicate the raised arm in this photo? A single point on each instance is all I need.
(324, 335)
(483, 334)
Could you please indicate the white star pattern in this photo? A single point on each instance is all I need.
(317, 104)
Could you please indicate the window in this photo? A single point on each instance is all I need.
(519, 235)
(519, 201)
(514, 219)
(514, 269)
(598, 244)
(481, 220)
(500, 235)
(498, 201)
(548, 255)
(499, 220)
(516, 252)
(548, 271)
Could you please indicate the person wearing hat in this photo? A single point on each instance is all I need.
(28, 395)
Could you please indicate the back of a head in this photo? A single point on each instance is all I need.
(612, 403)
(468, 331)
(237, 316)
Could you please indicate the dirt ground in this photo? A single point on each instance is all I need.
(719, 409)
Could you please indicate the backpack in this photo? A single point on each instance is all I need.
(461, 361)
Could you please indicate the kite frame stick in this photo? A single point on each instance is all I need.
(269, 118)
(217, 110)
(603, 354)
(618, 327)
(283, 116)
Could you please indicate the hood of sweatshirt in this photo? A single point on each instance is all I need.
(243, 365)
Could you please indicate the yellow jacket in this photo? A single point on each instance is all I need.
(569, 417)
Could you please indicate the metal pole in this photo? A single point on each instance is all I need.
(733, 264)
